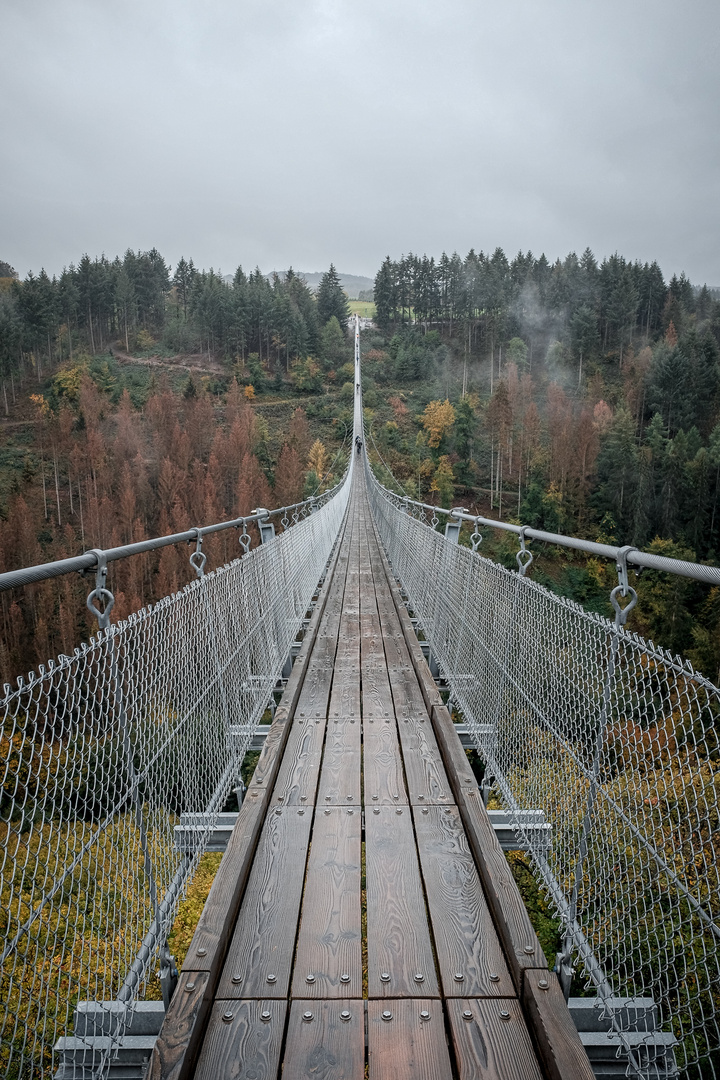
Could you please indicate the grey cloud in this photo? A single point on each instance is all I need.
(306, 132)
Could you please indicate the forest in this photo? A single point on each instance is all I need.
(576, 396)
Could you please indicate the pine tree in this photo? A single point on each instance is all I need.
(331, 300)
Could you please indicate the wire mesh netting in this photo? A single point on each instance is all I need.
(616, 742)
(103, 751)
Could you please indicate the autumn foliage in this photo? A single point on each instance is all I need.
(109, 478)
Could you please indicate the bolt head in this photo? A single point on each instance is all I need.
(494, 977)
(326, 812)
(307, 1016)
(467, 1014)
(301, 811)
(310, 978)
(344, 978)
(202, 952)
(376, 809)
(458, 976)
(272, 978)
(228, 1016)
(345, 1014)
(543, 984)
(386, 1015)
(236, 979)
(190, 987)
(265, 1015)
(425, 810)
(529, 949)
(398, 810)
(504, 1014)
(385, 977)
(424, 1015)
(419, 977)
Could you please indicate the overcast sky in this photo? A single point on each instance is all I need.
(278, 132)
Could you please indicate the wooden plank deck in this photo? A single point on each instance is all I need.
(364, 922)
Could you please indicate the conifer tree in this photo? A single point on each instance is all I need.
(331, 300)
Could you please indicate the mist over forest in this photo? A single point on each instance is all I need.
(575, 396)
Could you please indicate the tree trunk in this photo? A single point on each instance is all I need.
(82, 523)
(42, 466)
(57, 487)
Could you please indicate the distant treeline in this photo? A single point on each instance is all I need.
(589, 307)
(135, 300)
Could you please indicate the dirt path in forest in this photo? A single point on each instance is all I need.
(193, 362)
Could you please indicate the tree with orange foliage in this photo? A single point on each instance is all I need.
(289, 477)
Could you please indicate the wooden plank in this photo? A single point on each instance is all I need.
(316, 689)
(425, 775)
(345, 694)
(325, 1041)
(372, 650)
(469, 956)
(243, 1041)
(459, 772)
(398, 936)
(510, 916)
(207, 948)
(491, 1040)
(555, 1034)
(181, 1033)
(298, 776)
(396, 654)
(340, 773)
(382, 764)
(406, 1041)
(408, 701)
(260, 953)
(376, 694)
(328, 962)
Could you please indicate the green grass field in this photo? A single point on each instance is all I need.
(362, 308)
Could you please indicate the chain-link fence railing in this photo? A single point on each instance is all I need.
(616, 743)
(104, 750)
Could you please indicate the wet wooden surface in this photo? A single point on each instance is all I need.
(378, 929)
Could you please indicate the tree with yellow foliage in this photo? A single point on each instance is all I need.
(442, 483)
(317, 459)
(438, 418)
(249, 392)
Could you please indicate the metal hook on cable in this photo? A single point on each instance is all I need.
(244, 538)
(476, 537)
(198, 558)
(100, 592)
(623, 588)
(523, 557)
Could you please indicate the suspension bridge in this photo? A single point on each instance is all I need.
(364, 919)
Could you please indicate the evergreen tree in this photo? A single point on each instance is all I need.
(331, 300)
(385, 296)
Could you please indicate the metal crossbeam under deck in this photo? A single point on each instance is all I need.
(363, 912)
